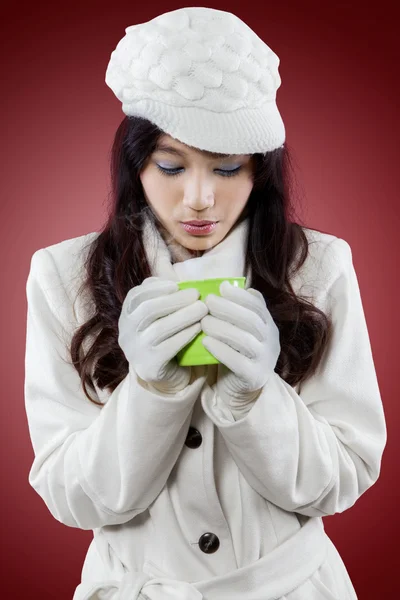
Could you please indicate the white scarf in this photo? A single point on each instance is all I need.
(226, 259)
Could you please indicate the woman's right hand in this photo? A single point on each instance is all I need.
(158, 319)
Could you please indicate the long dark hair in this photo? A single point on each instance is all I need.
(116, 261)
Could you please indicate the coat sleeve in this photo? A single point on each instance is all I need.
(316, 452)
(93, 465)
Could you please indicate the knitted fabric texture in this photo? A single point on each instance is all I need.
(202, 76)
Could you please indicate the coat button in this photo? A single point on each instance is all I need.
(209, 543)
(194, 438)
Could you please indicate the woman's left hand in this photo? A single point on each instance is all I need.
(242, 335)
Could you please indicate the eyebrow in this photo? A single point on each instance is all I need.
(165, 148)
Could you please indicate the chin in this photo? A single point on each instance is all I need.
(202, 243)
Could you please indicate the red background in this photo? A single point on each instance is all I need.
(339, 101)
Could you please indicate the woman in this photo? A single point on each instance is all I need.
(201, 482)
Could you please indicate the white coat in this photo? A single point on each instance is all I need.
(186, 502)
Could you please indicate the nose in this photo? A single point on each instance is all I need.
(199, 196)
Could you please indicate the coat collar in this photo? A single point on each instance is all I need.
(226, 259)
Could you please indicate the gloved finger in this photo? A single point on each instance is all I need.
(151, 287)
(231, 312)
(172, 345)
(252, 300)
(153, 279)
(163, 329)
(235, 361)
(257, 294)
(157, 307)
(233, 336)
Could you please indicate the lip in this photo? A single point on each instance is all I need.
(197, 230)
(198, 223)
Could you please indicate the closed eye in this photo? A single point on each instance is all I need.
(177, 171)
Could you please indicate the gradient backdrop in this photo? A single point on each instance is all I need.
(339, 101)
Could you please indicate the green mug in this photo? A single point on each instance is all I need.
(195, 353)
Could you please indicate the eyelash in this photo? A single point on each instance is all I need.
(176, 172)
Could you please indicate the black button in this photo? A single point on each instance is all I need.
(209, 543)
(194, 438)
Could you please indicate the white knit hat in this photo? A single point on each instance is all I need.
(202, 76)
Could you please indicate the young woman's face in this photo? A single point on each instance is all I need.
(204, 187)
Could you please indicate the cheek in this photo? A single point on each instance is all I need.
(151, 185)
(246, 188)
(239, 192)
(159, 195)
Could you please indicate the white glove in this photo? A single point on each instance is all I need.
(242, 335)
(158, 319)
